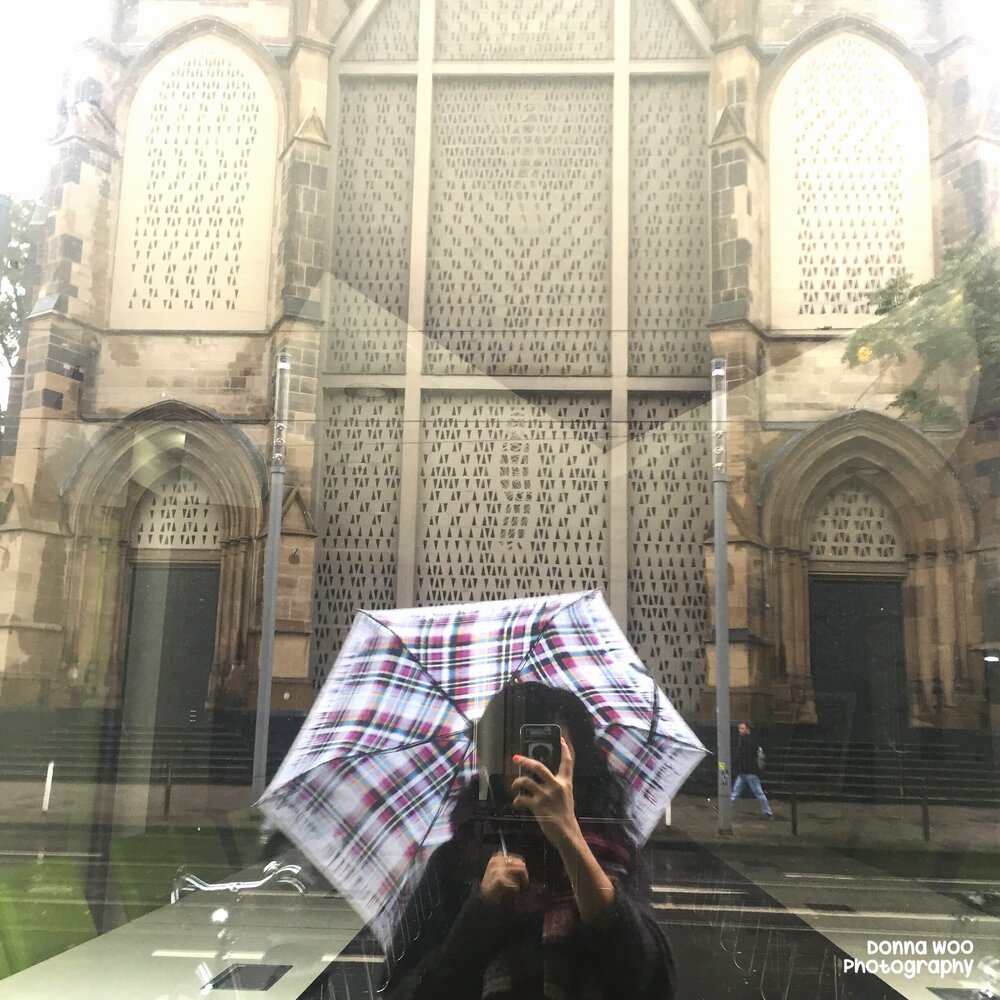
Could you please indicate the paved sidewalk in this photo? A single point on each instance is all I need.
(820, 895)
(86, 803)
(952, 828)
(841, 824)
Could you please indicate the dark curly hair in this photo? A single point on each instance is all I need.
(597, 791)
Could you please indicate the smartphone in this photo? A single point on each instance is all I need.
(542, 743)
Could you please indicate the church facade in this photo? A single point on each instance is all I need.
(501, 243)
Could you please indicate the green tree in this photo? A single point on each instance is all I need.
(13, 295)
(951, 324)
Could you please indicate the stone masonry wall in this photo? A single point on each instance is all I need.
(781, 20)
(226, 375)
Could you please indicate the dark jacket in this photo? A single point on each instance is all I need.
(627, 956)
(745, 757)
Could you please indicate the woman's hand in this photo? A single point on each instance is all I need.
(505, 878)
(548, 796)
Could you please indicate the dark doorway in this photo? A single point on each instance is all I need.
(857, 657)
(170, 645)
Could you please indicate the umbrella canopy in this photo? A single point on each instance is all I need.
(368, 788)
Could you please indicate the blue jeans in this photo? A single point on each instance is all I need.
(754, 782)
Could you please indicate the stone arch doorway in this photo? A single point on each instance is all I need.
(166, 506)
(857, 647)
(170, 618)
(905, 545)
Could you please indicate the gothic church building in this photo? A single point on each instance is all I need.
(501, 241)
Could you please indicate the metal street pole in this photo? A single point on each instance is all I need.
(272, 550)
(722, 711)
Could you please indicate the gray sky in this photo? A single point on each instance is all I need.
(35, 44)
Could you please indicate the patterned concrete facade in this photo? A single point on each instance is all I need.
(500, 243)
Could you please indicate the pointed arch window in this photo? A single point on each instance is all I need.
(193, 248)
(177, 512)
(855, 524)
(850, 182)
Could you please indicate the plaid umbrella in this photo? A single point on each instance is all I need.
(368, 788)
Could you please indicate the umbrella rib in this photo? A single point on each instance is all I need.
(541, 634)
(368, 754)
(444, 800)
(399, 818)
(447, 795)
(647, 735)
(654, 718)
(407, 746)
(655, 715)
(413, 657)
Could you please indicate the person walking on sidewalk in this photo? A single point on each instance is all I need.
(749, 760)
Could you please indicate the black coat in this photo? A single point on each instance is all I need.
(745, 757)
(627, 956)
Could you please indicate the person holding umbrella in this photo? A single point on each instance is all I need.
(563, 913)
(382, 786)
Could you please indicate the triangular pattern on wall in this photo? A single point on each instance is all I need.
(177, 512)
(548, 228)
(856, 524)
(851, 204)
(193, 246)
(669, 504)
(544, 30)
(668, 203)
(659, 32)
(524, 29)
(371, 263)
(358, 509)
(391, 35)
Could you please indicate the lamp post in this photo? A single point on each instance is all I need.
(722, 711)
(270, 590)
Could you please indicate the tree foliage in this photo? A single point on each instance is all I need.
(13, 295)
(950, 324)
